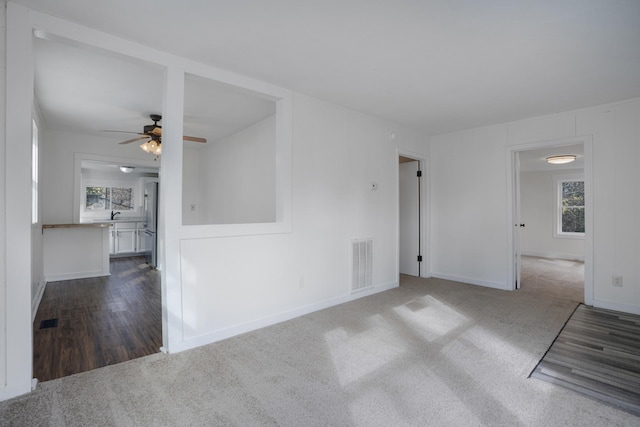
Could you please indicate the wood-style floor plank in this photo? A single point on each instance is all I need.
(101, 321)
(597, 353)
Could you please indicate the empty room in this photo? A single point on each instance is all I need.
(320, 213)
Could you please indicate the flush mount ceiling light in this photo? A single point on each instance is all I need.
(127, 169)
(561, 160)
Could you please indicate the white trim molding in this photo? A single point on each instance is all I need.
(511, 150)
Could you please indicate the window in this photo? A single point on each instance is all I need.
(570, 207)
(108, 199)
(34, 173)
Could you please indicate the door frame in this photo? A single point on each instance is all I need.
(513, 194)
(16, 326)
(423, 217)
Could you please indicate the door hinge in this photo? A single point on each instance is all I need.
(419, 258)
(419, 174)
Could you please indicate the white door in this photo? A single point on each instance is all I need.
(409, 217)
(517, 218)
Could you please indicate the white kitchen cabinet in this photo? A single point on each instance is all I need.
(125, 238)
(112, 239)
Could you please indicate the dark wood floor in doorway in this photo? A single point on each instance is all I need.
(90, 323)
(597, 353)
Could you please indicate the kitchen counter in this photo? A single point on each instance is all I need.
(100, 224)
(75, 251)
(117, 220)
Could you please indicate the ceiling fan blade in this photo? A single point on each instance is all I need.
(121, 131)
(157, 131)
(193, 138)
(138, 138)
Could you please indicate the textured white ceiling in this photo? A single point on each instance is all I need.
(437, 66)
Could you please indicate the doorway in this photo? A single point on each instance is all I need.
(410, 211)
(546, 252)
(92, 102)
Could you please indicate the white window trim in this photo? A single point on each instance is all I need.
(34, 172)
(86, 215)
(558, 179)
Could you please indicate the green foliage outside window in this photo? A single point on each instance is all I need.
(573, 207)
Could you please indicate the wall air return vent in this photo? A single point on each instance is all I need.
(361, 264)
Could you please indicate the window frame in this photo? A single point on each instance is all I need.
(110, 196)
(558, 181)
(94, 215)
(35, 162)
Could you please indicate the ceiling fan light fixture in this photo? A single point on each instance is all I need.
(561, 160)
(127, 169)
(154, 132)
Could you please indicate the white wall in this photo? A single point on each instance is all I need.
(240, 177)
(229, 283)
(191, 191)
(37, 245)
(3, 223)
(538, 212)
(17, 349)
(469, 212)
(469, 198)
(233, 179)
(615, 130)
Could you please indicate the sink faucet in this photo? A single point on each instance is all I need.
(113, 215)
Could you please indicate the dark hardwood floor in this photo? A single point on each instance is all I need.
(91, 323)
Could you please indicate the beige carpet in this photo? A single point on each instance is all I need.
(431, 352)
(562, 279)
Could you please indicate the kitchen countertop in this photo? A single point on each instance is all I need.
(117, 220)
(101, 224)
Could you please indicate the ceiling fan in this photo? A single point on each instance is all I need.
(153, 135)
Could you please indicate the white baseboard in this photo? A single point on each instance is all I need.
(76, 275)
(471, 281)
(9, 392)
(554, 255)
(616, 306)
(232, 331)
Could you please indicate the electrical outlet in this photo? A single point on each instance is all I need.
(617, 281)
